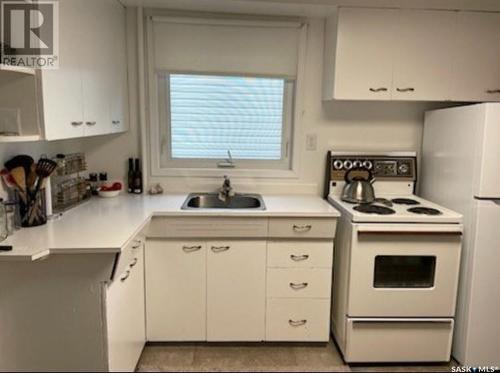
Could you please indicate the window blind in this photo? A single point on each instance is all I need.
(236, 47)
(210, 115)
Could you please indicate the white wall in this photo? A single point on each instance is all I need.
(338, 125)
(341, 125)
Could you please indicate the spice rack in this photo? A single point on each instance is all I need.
(69, 188)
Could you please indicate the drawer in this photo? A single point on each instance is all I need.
(300, 254)
(404, 340)
(298, 320)
(207, 227)
(298, 283)
(302, 228)
(128, 255)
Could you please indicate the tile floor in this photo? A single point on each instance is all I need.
(270, 357)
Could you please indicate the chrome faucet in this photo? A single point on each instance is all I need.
(226, 191)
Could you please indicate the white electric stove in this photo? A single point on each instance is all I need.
(396, 265)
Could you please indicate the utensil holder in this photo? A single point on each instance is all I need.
(32, 210)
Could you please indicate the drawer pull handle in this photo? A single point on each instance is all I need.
(297, 322)
(493, 91)
(133, 262)
(381, 89)
(92, 123)
(125, 276)
(220, 249)
(302, 228)
(299, 258)
(76, 124)
(191, 249)
(409, 89)
(300, 286)
(136, 246)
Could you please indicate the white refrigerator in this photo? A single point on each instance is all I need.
(461, 171)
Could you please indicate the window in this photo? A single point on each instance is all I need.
(222, 93)
(210, 119)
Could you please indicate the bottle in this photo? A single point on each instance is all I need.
(137, 178)
(131, 175)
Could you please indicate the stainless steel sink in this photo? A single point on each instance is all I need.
(196, 201)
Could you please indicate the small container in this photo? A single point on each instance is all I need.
(3, 221)
(12, 218)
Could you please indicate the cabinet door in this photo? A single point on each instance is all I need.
(96, 45)
(62, 93)
(477, 56)
(236, 272)
(423, 55)
(118, 71)
(175, 290)
(365, 41)
(126, 316)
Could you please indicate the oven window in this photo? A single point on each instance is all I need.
(394, 271)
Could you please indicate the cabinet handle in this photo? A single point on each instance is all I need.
(76, 124)
(91, 123)
(297, 322)
(125, 276)
(409, 89)
(190, 249)
(116, 122)
(220, 249)
(300, 286)
(302, 228)
(490, 91)
(381, 89)
(133, 262)
(299, 258)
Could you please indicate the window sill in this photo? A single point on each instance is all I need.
(219, 172)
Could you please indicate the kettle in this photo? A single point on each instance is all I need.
(358, 189)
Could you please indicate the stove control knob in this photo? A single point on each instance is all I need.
(404, 169)
(347, 165)
(357, 164)
(338, 164)
(368, 165)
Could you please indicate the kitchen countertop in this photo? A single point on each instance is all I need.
(106, 225)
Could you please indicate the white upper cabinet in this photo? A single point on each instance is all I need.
(363, 59)
(62, 92)
(477, 62)
(87, 95)
(422, 55)
(410, 54)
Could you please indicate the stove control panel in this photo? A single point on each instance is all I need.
(400, 168)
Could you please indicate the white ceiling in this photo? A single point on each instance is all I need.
(314, 8)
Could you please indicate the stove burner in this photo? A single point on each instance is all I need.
(374, 209)
(405, 201)
(425, 211)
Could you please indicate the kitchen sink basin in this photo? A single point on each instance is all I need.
(198, 201)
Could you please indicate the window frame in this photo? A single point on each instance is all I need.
(166, 159)
(154, 120)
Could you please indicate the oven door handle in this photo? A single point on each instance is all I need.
(401, 319)
(412, 233)
(441, 231)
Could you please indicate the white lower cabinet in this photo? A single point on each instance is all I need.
(236, 288)
(125, 313)
(222, 280)
(176, 290)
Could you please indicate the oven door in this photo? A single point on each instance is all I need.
(404, 270)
